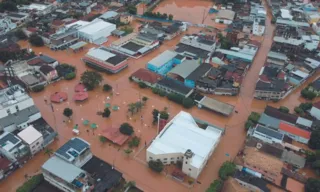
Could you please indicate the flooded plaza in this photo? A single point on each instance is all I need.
(132, 169)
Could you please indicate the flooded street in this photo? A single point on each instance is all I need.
(130, 92)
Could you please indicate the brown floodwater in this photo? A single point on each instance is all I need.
(130, 92)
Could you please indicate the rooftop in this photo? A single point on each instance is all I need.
(22, 116)
(182, 133)
(185, 68)
(9, 141)
(175, 85)
(231, 185)
(188, 49)
(226, 14)
(45, 69)
(269, 132)
(12, 95)
(293, 159)
(163, 58)
(274, 112)
(146, 75)
(62, 169)
(94, 27)
(109, 15)
(269, 121)
(294, 130)
(73, 148)
(218, 106)
(105, 55)
(29, 135)
(248, 57)
(253, 180)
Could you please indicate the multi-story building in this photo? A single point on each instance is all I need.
(6, 25)
(181, 140)
(250, 182)
(17, 109)
(258, 27)
(13, 148)
(41, 9)
(6, 167)
(63, 38)
(32, 138)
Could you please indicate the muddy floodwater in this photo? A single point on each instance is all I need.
(129, 92)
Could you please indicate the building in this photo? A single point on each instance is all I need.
(269, 122)
(251, 182)
(243, 55)
(231, 185)
(258, 27)
(13, 148)
(96, 31)
(316, 28)
(285, 117)
(315, 110)
(277, 59)
(32, 138)
(19, 17)
(269, 166)
(63, 38)
(267, 135)
(76, 151)
(225, 17)
(295, 133)
(49, 73)
(183, 70)
(271, 90)
(293, 159)
(41, 9)
(104, 59)
(6, 25)
(109, 16)
(214, 105)
(42, 60)
(146, 76)
(164, 62)
(126, 18)
(182, 140)
(6, 167)
(17, 109)
(65, 176)
(172, 86)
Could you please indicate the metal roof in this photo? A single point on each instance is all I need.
(78, 45)
(19, 117)
(163, 58)
(268, 121)
(185, 68)
(74, 145)
(269, 132)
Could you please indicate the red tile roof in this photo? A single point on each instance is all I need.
(264, 78)
(294, 130)
(146, 75)
(35, 61)
(32, 29)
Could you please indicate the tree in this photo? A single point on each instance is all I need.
(175, 98)
(284, 109)
(145, 99)
(106, 113)
(164, 115)
(8, 6)
(156, 166)
(91, 79)
(131, 108)
(306, 106)
(215, 186)
(312, 185)
(102, 139)
(131, 9)
(37, 88)
(142, 85)
(127, 151)
(314, 142)
(70, 76)
(170, 17)
(20, 35)
(48, 152)
(67, 112)
(155, 113)
(227, 169)
(31, 184)
(36, 40)
(305, 93)
(254, 117)
(248, 124)
(107, 87)
(64, 69)
(134, 142)
(299, 111)
(187, 103)
(126, 129)
(138, 105)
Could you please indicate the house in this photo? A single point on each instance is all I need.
(183, 70)
(268, 166)
(126, 18)
(40, 9)
(32, 138)
(104, 59)
(57, 24)
(6, 167)
(172, 86)
(163, 63)
(285, 117)
(63, 38)
(293, 159)
(258, 27)
(271, 90)
(195, 75)
(49, 73)
(269, 122)
(225, 17)
(231, 185)
(182, 140)
(214, 105)
(13, 148)
(251, 182)
(146, 76)
(315, 110)
(315, 87)
(6, 25)
(109, 16)
(277, 59)
(96, 31)
(17, 109)
(41, 60)
(230, 54)
(295, 133)
(18, 17)
(267, 135)
(76, 151)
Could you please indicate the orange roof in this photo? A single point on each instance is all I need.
(294, 130)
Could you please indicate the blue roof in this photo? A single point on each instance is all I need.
(72, 148)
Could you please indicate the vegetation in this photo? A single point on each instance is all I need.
(127, 29)
(106, 113)
(145, 99)
(254, 117)
(36, 40)
(134, 142)
(299, 111)
(20, 35)
(156, 166)
(284, 109)
(305, 106)
(135, 107)
(273, 20)
(215, 186)
(70, 76)
(37, 88)
(107, 87)
(126, 129)
(175, 98)
(8, 5)
(31, 184)
(67, 112)
(157, 15)
(227, 169)
(14, 55)
(225, 42)
(155, 90)
(170, 17)
(305, 93)
(127, 151)
(131, 9)
(163, 115)
(248, 124)
(130, 184)
(48, 151)
(142, 85)
(312, 185)
(102, 139)
(91, 79)
(314, 142)
(64, 69)
(162, 93)
(187, 103)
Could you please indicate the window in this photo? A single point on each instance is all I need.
(8, 111)
(165, 158)
(37, 143)
(150, 158)
(172, 158)
(177, 157)
(189, 169)
(186, 162)
(17, 107)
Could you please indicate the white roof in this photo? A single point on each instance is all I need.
(304, 122)
(285, 13)
(95, 26)
(312, 63)
(163, 58)
(37, 6)
(29, 135)
(80, 23)
(300, 73)
(182, 133)
(100, 54)
(60, 168)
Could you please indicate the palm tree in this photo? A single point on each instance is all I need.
(138, 105)
(131, 108)
(48, 152)
(127, 151)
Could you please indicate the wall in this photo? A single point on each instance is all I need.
(36, 146)
(295, 137)
(98, 34)
(59, 184)
(163, 69)
(83, 158)
(22, 105)
(249, 186)
(147, 83)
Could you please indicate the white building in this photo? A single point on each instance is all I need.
(309, 42)
(198, 42)
(17, 109)
(183, 140)
(33, 138)
(225, 17)
(42, 9)
(12, 146)
(258, 27)
(315, 110)
(6, 25)
(97, 29)
(267, 135)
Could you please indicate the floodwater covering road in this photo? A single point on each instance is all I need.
(132, 169)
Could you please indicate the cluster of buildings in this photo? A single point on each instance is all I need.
(73, 168)
(23, 130)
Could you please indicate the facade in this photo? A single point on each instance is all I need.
(271, 90)
(146, 76)
(18, 17)
(295, 133)
(96, 30)
(102, 58)
(258, 27)
(49, 73)
(12, 147)
(42, 60)
(172, 86)
(6, 25)
(41, 9)
(63, 38)
(6, 167)
(250, 182)
(182, 140)
(267, 135)
(33, 138)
